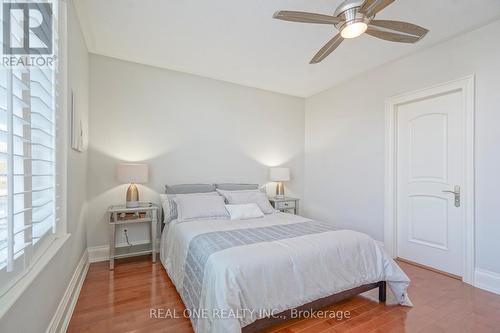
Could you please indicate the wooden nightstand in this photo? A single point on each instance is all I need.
(119, 215)
(285, 204)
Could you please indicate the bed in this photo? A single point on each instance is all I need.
(244, 275)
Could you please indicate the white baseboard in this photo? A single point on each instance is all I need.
(101, 253)
(61, 318)
(487, 280)
(98, 253)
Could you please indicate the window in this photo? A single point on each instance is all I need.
(29, 190)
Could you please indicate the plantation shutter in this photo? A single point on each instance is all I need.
(28, 183)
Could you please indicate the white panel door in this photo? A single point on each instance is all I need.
(430, 144)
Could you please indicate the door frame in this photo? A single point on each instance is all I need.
(466, 86)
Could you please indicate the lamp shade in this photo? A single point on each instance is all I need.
(132, 173)
(279, 174)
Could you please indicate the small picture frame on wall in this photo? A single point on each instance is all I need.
(77, 127)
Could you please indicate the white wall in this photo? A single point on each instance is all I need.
(188, 129)
(34, 309)
(344, 158)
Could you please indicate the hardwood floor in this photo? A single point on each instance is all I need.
(120, 301)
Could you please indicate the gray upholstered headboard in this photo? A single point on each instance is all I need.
(204, 188)
(236, 187)
(189, 188)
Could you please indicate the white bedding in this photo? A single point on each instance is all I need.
(240, 282)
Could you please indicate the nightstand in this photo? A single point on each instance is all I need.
(285, 204)
(119, 215)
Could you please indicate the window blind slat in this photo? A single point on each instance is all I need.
(42, 131)
(26, 227)
(20, 246)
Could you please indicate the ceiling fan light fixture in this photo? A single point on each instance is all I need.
(353, 30)
(352, 18)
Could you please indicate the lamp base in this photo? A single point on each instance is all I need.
(280, 190)
(132, 204)
(132, 200)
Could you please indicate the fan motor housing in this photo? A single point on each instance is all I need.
(346, 5)
(349, 12)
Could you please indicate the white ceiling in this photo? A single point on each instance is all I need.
(238, 41)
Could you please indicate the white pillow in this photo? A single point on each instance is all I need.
(169, 206)
(248, 196)
(244, 211)
(199, 207)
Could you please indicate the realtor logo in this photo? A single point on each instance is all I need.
(27, 28)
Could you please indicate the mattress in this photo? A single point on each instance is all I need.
(232, 273)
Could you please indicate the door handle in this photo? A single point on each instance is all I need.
(456, 193)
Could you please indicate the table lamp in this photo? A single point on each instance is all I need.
(132, 174)
(279, 175)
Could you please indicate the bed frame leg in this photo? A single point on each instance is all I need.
(382, 291)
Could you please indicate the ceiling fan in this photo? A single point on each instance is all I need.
(353, 18)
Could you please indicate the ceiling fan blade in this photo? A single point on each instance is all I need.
(392, 36)
(366, 5)
(327, 49)
(306, 17)
(372, 7)
(404, 27)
